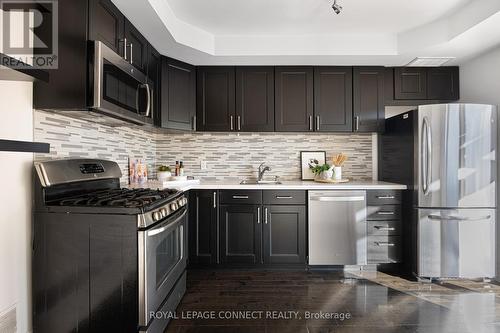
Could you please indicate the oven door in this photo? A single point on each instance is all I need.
(119, 89)
(162, 260)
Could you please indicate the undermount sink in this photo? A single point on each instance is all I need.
(259, 182)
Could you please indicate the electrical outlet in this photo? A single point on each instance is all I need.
(203, 165)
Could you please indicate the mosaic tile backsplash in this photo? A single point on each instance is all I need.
(228, 155)
(239, 155)
(70, 137)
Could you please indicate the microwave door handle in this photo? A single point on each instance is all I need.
(149, 93)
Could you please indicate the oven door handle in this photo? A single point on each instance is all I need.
(165, 226)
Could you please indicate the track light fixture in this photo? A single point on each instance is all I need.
(336, 7)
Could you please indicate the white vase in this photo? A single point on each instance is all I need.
(337, 173)
(163, 175)
(327, 174)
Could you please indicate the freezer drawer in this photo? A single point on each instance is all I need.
(456, 243)
(337, 228)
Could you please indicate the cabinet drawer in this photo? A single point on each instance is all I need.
(385, 212)
(251, 197)
(284, 197)
(384, 228)
(384, 249)
(383, 197)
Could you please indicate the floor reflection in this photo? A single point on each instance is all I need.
(374, 302)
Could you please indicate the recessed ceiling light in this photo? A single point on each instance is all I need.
(336, 7)
(429, 61)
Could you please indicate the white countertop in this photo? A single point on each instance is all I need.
(286, 185)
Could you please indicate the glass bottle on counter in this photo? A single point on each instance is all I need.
(176, 168)
(181, 169)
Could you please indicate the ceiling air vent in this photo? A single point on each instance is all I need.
(429, 61)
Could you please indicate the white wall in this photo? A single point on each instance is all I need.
(16, 123)
(480, 79)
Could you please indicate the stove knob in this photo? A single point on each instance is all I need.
(156, 216)
(182, 202)
(163, 212)
(173, 206)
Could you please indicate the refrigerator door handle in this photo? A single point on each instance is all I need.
(426, 153)
(458, 218)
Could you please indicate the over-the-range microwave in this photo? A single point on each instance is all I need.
(117, 88)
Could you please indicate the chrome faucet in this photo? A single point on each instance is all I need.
(262, 169)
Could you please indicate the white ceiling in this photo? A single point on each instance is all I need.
(282, 32)
(298, 17)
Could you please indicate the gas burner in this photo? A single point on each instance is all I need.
(128, 198)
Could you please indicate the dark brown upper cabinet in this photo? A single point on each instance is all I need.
(255, 99)
(410, 83)
(106, 23)
(368, 99)
(154, 74)
(178, 109)
(333, 99)
(215, 99)
(294, 99)
(421, 85)
(443, 83)
(137, 47)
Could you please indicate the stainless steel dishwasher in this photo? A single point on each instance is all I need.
(337, 228)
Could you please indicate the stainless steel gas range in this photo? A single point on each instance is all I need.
(147, 225)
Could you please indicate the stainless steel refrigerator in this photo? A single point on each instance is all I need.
(446, 154)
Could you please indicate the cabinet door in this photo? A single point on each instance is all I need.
(368, 99)
(333, 99)
(410, 83)
(154, 74)
(60, 274)
(203, 226)
(178, 95)
(294, 99)
(442, 84)
(113, 274)
(215, 94)
(255, 99)
(284, 240)
(137, 47)
(106, 24)
(241, 234)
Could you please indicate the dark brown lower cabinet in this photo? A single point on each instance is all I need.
(84, 274)
(203, 226)
(241, 234)
(284, 236)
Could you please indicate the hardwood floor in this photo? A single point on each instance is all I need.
(279, 301)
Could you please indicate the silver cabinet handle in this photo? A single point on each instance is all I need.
(265, 215)
(124, 41)
(385, 213)
(310, 123)
(215, 199)
(131, 53)
(194, 123)
(356, 123)
(284, 197)
(150, 100)
(458, 218)
(382, 228)
(240, 196)
(239, 123)
(317, 123)
(386, 197)
(384, 244)
(231, 120)
(258, 215)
